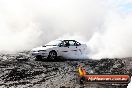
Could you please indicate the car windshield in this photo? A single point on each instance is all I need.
(54, 43)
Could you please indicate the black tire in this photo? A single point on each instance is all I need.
(38, 58)
(52, 55)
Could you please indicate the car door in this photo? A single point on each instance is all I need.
(72, 46)
(70, 49)
(76, 49)
(64, 49)
(73, 49)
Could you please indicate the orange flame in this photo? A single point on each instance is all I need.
(82, 71)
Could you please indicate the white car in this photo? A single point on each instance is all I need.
(69, 49)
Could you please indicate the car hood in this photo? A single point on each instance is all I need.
(42, 48)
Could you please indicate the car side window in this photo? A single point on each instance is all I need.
(72, 43)
(66, 43)
(61, 44)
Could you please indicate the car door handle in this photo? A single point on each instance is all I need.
(74, 50)
(64, 51)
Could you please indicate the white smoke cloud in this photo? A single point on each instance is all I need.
(105, 25)
(115, 40)
(26, 24)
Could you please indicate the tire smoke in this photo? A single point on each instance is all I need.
(104, 25)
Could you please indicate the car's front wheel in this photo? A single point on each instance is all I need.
(52, 55)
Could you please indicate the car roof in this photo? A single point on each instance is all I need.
(67, 40)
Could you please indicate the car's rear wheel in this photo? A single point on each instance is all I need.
(38, 57)
(52, 55)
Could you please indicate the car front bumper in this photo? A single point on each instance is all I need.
(44, 54)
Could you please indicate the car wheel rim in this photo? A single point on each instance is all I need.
(52, 55)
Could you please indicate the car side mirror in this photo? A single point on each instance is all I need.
(60, 45)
